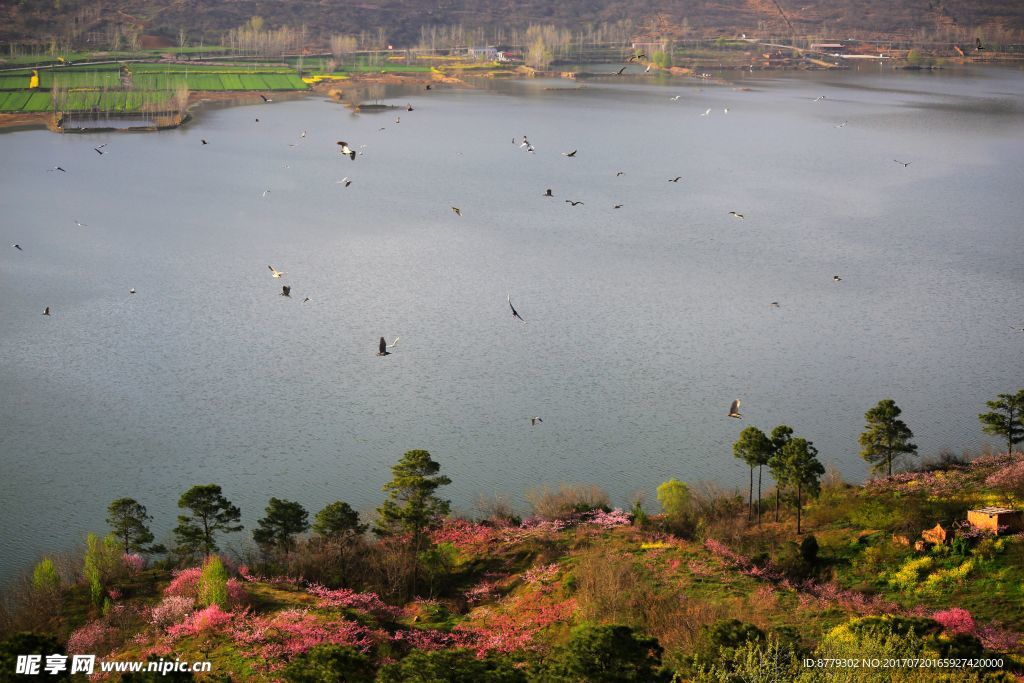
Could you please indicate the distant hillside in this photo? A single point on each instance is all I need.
(84, 22)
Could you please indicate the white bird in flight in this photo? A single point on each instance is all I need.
(707, 112)
(734, 410)
(275, 272)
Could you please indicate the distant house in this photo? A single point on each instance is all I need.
(996, 519)
(488, 54)
(510, 56)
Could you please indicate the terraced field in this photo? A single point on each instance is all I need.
(101, 86)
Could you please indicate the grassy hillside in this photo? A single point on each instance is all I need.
(583, 589)
(400, 21)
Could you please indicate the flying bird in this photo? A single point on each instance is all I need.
(306, 299)
(457, 210)
(344, 181)
(345, 149)
(648, 69)
(617, 206)
(534, 421)
(569, 201)
(383, 346)
(428, 86)
(131, 291)
(265, 99)
(734, 410)
(978, 45)
(736, 215)
(836, 278)
(408, 107)
(620, 173)
(266, 192)
(286, 291)
(675, 98)
(18, 247)
(204, 141)
(619, 73)
(398, 119)
(676, 179)
(56, 168)
(548, 193)
(819, 98)
(515, 313)
(99, 150)
(905, 163)
(774, 304)
(569, 154)
(842, 125)
(726, 110)
(275, 272)
(81, 224)
(46, 311)
(707, 112)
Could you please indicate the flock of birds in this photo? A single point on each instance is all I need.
(345, 149)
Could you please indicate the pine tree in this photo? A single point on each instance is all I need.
(803, 470)
(285, 519)
(1006, 419)
(885, 436)
(210, 512)
(128, 520)
(338, 520)
(754, 448)
(779, 438)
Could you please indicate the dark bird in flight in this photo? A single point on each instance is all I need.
(428, 86)
(617, 206)
(905, 163)
(345, 149)
(204, 142)
(548, 193)
(619, 72)
(265, 99)
(306, 299)
(734, 410)
(620, 173)
(569, 154)
(408, 107)
(457, 210)
(18, 247)
(46, 311)
(131, 291)
(515, 313)
(534, 421)
(383, 346)
(56, 168)
(774, 304)
(736, 215)
(978, 45)
(676, 179)
(569, 201)
(286, 291)
(344, 181)
(99, 150)
(639, 56)
(836, 278)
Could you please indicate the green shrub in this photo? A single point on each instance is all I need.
(213, 583)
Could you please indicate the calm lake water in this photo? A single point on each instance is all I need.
(643, 322)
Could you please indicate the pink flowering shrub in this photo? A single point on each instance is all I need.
(95, 638)
(185, 583)
(541, 573)
(608, 520)
(133, 562)
(114, 594)
(171, 610)
(425, 639)
(350, 599)
(463, 534)
(1009, 480)
(276, 638)
(208, 621)
(955, 620)
(237, 595)
(483, 592)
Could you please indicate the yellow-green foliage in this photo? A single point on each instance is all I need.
(213, 583)
(908, 575)
(944, 578)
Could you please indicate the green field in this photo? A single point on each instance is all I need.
(17, 82)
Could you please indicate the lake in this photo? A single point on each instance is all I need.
(643, 323)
